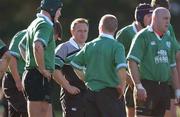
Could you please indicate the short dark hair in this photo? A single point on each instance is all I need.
(58, 29)
(109, 23)
(79, 20)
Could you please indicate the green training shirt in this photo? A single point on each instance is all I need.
(125, 36)
(175, 43)
(13, 47)
(41, 29)
(154, 55)
(101, 58)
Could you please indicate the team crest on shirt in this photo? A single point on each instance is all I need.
(168, 33)
(168, 44)
(153, 43)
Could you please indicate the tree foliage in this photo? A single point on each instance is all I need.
(18, 14)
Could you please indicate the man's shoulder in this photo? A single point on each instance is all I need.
(62, 45)
(19, 35)
(126, 29)
(41, 22)
(145, 31)
(102, 39)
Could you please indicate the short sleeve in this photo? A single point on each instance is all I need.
(60, 55)
(120, 60)
(78, 60)
(13, 47)
(43, 33)
(137, 48)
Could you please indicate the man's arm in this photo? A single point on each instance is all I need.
(38, 51)
(134, 72)
(15, 73)
(61, 80)
(122, 77)
(176, 83)
(80, 74)
(4, 62)
(129, 80)
(178, 63)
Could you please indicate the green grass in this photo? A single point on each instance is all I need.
(58, 113)
(178, 112)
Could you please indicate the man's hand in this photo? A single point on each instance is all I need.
(177, 100)
(45, 73)
(72, 89)
(129, 81)
(19, 85)
(140, 92)
(121, 89)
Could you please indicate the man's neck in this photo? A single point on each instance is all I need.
(138, 26)
(157, 31)
(79, 43)
(46, 14)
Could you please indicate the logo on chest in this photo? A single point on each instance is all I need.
(161, 57)
(168, 44)
(153, 43)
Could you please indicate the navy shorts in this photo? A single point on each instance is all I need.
(37, 87)
(73, 105)
(104, 103)
(158, 99)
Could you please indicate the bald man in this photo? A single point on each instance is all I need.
(151, 63)
(171, 112)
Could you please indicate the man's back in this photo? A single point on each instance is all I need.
(100, 59)
(41, 29)
(125, 36)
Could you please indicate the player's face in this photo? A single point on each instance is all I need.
(80, 32)
(163, 21)
(147, 19)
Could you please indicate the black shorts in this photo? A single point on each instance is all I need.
(15, 98)
(172, 92)
(158, 99)
(129, 100)
(105, 103)
(37, 87)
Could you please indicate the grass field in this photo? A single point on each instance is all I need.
(58, 113)
(178, 112)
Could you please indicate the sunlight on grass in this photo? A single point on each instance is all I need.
(178, 112)
(58, 113)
